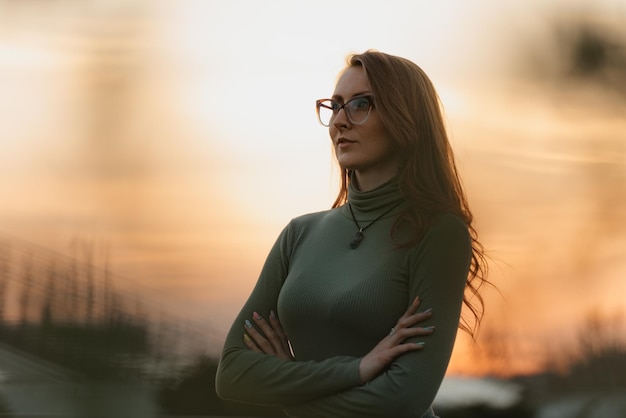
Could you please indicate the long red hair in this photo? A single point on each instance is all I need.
(410, 109)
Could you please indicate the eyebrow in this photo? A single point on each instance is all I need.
(362, 93)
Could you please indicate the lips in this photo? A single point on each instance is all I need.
(344, 141)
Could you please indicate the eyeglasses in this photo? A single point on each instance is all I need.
(357, 109)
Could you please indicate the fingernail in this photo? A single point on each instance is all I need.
(248, 323)
(272, 314)
(256, 316)
(246, 338)
(430, 328)
(420, 344)
(429, 310)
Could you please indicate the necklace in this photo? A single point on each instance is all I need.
(358, 237)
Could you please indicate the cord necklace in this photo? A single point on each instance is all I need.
(358, 237)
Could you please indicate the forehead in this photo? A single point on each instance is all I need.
(352, 82)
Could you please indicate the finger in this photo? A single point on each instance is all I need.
(403, 334)
(279, 330)
(262, 343)
(412, 307)
(389, 354)
(274, 339)
(409, 321)
(405, 348)
(250, 343)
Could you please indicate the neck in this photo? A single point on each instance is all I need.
(365, 182)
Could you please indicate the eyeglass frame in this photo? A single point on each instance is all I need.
(318, 105)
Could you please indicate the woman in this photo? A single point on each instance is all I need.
(347, 282)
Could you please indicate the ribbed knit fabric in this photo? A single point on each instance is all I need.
(336, 303)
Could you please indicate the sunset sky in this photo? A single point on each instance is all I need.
(181, 135)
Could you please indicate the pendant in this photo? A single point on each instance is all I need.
(358, 237)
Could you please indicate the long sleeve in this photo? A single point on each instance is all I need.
(336, 302)
(438, 271)
(246, 376)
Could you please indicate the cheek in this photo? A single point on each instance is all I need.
(385, 145)
(332, 132)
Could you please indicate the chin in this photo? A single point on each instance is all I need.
(345, 163)
(348, 167)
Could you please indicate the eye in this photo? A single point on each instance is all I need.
(335, 106)
(360, 104)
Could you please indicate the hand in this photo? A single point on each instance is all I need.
(273, 341)
(393, 345)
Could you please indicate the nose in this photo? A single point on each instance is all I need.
(341, 119)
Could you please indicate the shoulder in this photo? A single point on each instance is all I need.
(301, 225)
(448, 232)
(449, 224)
(313, 218)
(446, 246)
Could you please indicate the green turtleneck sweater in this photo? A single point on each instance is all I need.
(336, 303)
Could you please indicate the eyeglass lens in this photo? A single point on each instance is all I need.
(357, 110)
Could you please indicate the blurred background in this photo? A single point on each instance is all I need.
(151, 152)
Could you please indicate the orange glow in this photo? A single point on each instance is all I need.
(185, 154)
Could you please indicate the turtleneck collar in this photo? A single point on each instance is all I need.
(371, 204)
